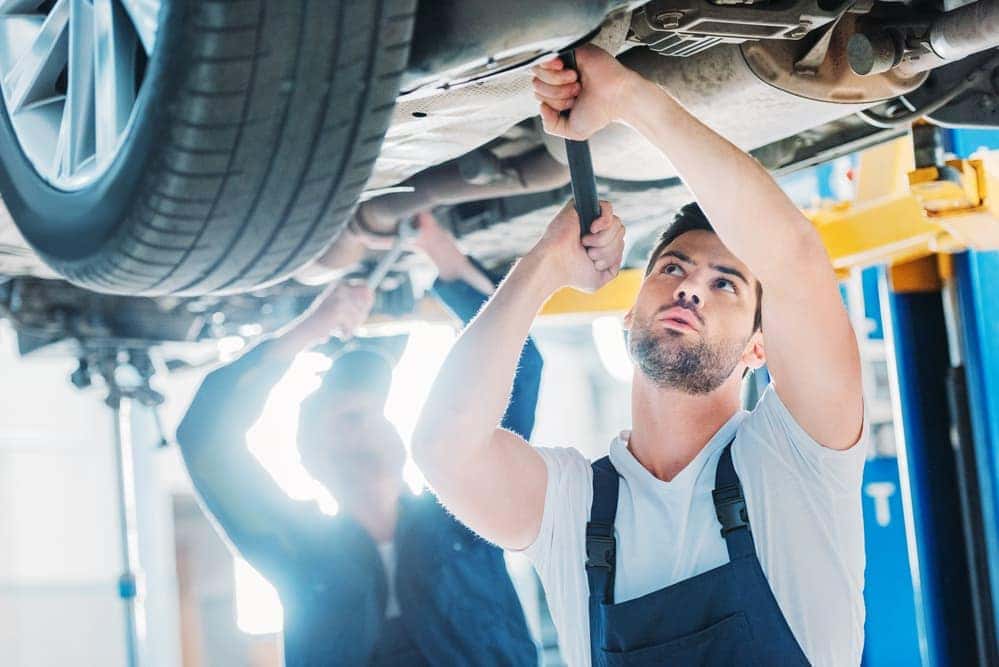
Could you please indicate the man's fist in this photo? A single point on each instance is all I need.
(339, 310)
(586, 263)
(592, 97)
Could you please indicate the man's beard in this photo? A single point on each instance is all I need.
(671, 363)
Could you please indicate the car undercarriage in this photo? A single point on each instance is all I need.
(795, 82)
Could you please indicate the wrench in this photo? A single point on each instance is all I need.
(584, 184)
(407, 230)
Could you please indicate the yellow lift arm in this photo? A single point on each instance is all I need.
(907, 218)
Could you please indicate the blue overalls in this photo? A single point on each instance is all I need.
(493, 620)
(725, 616)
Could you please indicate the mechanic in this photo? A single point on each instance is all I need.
(393, 579)
(710, 535)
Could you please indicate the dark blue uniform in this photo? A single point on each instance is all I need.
(458, 605)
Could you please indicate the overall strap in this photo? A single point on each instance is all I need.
(600, 544)
(730, 508)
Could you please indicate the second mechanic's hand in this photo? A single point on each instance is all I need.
(592, 96)
(340, 310)
(586, 263)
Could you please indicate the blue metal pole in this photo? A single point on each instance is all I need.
(977, 322)
(916, 334)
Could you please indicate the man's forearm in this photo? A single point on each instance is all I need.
(470, 394)
(231, 398)
(746, 207)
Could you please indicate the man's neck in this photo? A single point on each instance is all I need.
(670, 427)
(375, 505)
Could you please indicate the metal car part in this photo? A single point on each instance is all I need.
(446, 184)
(832, 80)
(533, 171)
(710, 85)
(431, 126)
(72, 129)
(911, 48)
(460, 41)
(978, 106)
(687, 27)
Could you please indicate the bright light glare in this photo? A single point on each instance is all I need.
(608, 337)
(426, 348)
(272, 441)
(258, 607)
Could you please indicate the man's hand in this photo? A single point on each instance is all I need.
(586, 263)
(339, 310)
(593, 96)
(438, 245)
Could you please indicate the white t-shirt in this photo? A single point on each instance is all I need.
(804, 509)
(387, 551)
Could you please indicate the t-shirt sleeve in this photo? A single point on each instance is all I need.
(786, 442)
(567, 507)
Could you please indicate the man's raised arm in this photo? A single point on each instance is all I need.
(261, 521)
(489, 477)
(811, 348)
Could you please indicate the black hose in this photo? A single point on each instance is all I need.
(890, 122)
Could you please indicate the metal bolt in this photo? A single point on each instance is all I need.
(801, 30)
(668, 20)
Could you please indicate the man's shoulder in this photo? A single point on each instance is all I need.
(567, 462)
(770, 438)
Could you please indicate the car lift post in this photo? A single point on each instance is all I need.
(943, 331)
(126, 373)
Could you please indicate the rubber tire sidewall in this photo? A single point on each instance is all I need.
(68, 226)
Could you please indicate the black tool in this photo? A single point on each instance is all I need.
(584, 185)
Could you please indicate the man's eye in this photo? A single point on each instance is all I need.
(725, 284)
(673, 270)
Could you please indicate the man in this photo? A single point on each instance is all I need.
(392, 579)
(710, 536)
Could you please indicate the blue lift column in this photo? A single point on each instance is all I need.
(945, 339)
(973, 326)
(916, 332)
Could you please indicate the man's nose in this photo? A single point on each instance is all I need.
(687, 291)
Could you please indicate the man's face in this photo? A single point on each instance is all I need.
(350, 442)
(692, 324)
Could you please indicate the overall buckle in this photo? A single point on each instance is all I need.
(730, 508)
(600, 546)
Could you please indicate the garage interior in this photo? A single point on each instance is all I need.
(922, 311)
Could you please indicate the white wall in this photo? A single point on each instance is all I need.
(59, 539)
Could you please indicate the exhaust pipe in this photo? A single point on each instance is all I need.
(955, 35)
(473, 177)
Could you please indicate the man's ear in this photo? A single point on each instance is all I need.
(628, 318)
(754, 356)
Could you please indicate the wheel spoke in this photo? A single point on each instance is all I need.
(76, 134)
(34, 75)
(114, 74)
(145, 17)
(18, 6)
(70, 75)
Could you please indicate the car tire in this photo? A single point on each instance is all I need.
(256, 128)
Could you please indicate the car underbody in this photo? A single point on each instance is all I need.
(795, 82)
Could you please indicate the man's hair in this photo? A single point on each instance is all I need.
(690, 218)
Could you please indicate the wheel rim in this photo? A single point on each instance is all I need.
(70, 75)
